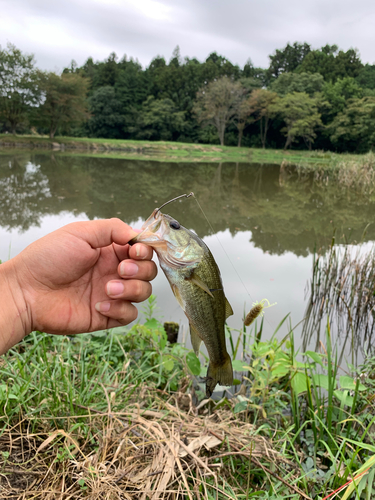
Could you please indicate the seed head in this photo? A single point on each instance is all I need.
(253, 313)
(257, 310)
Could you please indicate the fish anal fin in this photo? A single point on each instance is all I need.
(194, 278)
(228, 309)
(195, 339)
(177, 294)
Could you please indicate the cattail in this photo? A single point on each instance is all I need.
(257, 310)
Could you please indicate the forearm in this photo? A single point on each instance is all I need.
(15, 317)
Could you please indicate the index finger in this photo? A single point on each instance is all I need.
(103, 232)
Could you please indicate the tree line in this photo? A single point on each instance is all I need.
(322, 98)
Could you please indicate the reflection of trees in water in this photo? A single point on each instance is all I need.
(24, 192)
(294, 215)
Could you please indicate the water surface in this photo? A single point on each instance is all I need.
(265, 225)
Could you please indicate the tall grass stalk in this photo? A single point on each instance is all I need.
(342, 291)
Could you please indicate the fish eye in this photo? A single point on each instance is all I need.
(174, 225)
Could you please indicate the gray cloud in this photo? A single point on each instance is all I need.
(57, 32)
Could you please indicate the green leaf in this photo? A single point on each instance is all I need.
(322, 380)
(299, 364)
(280, 370)
(315, 357)
(349, 383)
(193, 363)
(263, 349)
(168, 364)
(344, 398)
(241, 406)
(240, 366)
(153, 324)
(299, 383)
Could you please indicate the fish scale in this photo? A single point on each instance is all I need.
(196, 283)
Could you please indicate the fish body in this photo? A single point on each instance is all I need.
(196, 283)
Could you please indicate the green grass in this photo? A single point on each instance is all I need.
(176, 151)
(118, 414)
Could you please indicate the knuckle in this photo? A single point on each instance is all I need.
(132, 314)
(116, 220)
(127, 313)
(138, 289)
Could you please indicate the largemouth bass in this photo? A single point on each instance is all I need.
(196, 283)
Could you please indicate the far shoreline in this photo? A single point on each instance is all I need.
(176, 152)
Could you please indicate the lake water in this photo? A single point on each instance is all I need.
(266, 225)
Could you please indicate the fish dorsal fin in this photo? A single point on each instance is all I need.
(195, 339)
(228, 309)
(197, 281)
(180, 300)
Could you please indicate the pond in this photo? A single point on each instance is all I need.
(265, 224)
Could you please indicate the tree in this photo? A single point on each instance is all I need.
(354, 126)
(159, 120)
(332, 63)
(301, 116)
(366, 77)
(255, 74)
(298, 82)
(337, 95)
(217, 104)
(20, 88)
(65, 101)
(241, 118)
(287, 59)
(106, 119)
(260, 103)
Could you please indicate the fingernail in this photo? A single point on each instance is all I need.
(128, 268)
(115, 288)
(141, 251)
(102, 307)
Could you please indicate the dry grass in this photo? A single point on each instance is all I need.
(356, 173)
(172, 451)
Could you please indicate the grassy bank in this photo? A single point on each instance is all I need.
(121, 414)
(171, 151)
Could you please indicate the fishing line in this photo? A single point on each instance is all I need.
(230, 260)
(213, 232)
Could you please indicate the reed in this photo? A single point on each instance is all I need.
(342, 291)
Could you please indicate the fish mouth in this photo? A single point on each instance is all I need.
(151, 235)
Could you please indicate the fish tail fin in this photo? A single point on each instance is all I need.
(219, 374)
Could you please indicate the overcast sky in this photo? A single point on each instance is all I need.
(58, 31)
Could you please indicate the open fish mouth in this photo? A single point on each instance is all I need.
(150, 233)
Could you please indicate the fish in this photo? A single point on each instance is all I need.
(195, 280)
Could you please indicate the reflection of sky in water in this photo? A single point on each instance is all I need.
(279, 278)
(276, 222)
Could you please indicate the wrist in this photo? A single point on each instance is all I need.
(15, 315)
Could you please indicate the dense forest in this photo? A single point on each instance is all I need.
(307, 98)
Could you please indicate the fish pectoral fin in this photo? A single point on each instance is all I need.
(197, 281)
(228, 309)
(195, 339)
(177, 294)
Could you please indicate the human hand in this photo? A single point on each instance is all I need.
(82, 278)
